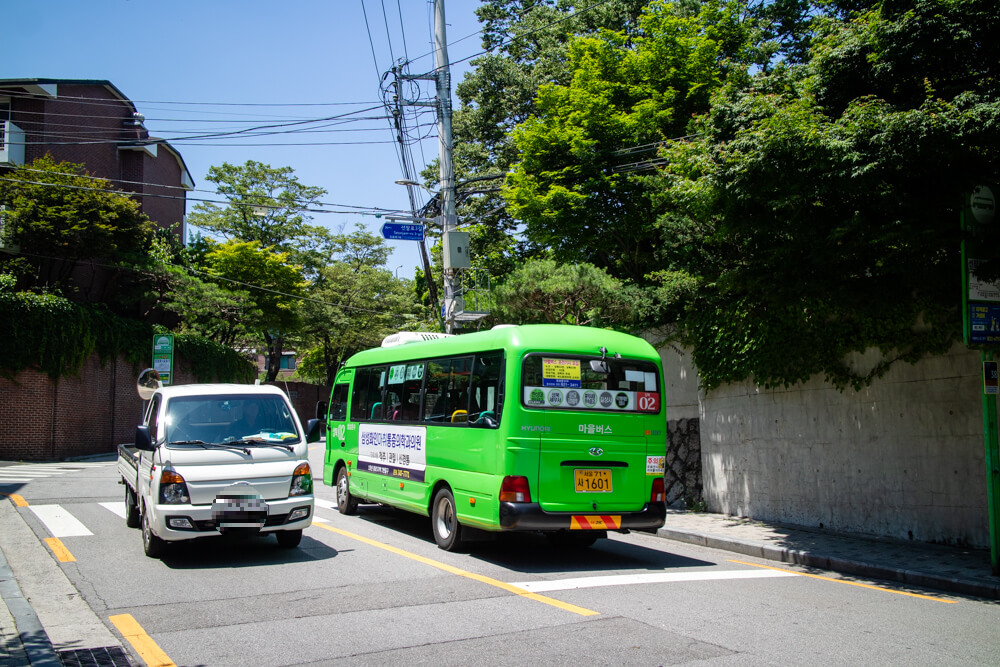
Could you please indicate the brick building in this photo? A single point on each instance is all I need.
(93, 123)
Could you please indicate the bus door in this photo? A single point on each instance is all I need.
(336, 425)
(593, 446)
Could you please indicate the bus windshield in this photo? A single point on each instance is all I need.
(589, 383)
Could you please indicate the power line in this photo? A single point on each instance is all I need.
(230, 280)
(378, 212)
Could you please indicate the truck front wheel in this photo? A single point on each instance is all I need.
(152, 545)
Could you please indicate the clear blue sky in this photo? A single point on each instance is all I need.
(304, 52)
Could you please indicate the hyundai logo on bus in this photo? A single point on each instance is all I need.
(596, 451)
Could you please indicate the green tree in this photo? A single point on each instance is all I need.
(575, 184)
(61, 217)
(269, 284)
(267, 205)
(543, 291)
(355, 302)
(528, 47)
(816, 211)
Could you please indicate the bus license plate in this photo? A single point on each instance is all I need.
(592, 481)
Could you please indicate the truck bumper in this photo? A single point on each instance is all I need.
(186, 522)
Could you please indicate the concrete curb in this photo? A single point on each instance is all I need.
(37, 648)
(843, 565)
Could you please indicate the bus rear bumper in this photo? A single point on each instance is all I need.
(531, 516)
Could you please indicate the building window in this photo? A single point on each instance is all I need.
(287, 362)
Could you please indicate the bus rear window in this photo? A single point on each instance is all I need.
(574, 383)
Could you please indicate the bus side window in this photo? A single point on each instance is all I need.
(435, 390)
(484, 390)
(359, 405)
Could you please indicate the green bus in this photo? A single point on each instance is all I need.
(550, 428)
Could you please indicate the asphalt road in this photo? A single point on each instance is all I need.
(374, 589)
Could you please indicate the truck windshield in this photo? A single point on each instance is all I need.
(219, 419)
(566, 382)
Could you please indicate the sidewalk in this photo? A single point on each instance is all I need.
(43, 618)
(950, 569)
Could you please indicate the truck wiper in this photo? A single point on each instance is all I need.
(261, 441)
(189, 442)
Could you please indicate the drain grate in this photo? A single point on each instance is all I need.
(108, 656)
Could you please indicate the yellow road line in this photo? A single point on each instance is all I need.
(18, 500)
(143, 644)
(849, 583)
(62, 554)
(463, 573)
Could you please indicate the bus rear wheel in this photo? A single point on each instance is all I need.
(346, 503)
(444, 522)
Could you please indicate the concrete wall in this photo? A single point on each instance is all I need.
(903, 458)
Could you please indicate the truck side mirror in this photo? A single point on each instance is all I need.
(142, 439)
(313, 429)
(320, 409)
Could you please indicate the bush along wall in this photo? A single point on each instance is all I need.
(55, 335)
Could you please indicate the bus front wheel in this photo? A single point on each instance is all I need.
(444, 521)
(346, 503)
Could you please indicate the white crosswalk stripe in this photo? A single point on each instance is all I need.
(116, 507)
(59, 522)
(22, 473)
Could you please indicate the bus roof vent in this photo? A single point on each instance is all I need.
(504, 326)
(404, 337)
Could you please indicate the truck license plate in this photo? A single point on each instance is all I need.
(589, 480)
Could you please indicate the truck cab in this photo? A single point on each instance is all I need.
(217, 459)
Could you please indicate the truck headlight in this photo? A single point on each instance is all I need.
(302, 481)
(173, 489)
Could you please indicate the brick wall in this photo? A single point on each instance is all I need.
(46, 420)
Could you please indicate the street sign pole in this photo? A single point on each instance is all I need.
(980, 316)
(163, 357)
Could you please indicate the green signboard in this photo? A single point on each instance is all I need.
(163, 356)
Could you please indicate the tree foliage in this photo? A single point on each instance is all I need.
(355, 302)
(543, 291)
(61, 217)
(266, 204)
(805, 205)
(574, 183)
(817, 207)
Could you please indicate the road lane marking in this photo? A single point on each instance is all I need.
(14, 480)
(143, 644)
(17, 500)
(646, 578)
(464, 573)
(59, 522)
(849, 583)
(118, 507)
(326, 504)
(59, 549)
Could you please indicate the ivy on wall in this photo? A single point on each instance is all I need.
(55, 335)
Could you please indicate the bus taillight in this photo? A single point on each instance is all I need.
(657, 496)
(514, 489)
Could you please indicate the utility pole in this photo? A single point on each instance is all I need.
(448, 217)
(408, 175)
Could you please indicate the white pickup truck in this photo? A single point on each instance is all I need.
(216, 459)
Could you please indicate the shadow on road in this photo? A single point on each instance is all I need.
(532, 552)
(224, 552)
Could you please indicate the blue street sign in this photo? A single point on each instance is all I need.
(403, 231)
